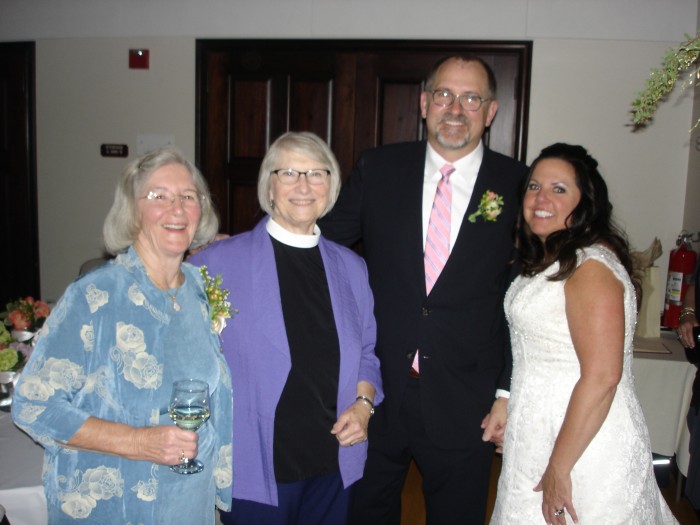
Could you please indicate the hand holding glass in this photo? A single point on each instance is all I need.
(189, 409)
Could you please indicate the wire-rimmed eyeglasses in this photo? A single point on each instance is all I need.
(468, 101)
(289, 176)
(165, 199)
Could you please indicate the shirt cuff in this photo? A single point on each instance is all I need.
(502, 393)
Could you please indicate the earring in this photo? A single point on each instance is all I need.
(272, 204)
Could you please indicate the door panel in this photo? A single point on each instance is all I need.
(310, 106)
(354, 94)
(248, 123)
(396, 125)
(19, 266)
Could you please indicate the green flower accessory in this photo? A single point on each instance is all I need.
(13, 352)
(5, 336)
(9, 358)
(219, 307)
(490, 207)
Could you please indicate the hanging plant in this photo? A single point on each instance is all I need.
(680, 62)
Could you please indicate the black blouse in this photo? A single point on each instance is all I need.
(303, 444)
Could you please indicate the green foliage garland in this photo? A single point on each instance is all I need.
(678, 62)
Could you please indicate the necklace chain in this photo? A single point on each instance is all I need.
(172, 296)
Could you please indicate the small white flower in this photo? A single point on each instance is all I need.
(87, 335)
(136, 295)
(62, 374)
(103, 482)
(76, 505)
(29, 413)
(143, 370)
(223, 475)
(34, 389)
(218, 324)
(96, 297)
(146, 490)
(130, 338)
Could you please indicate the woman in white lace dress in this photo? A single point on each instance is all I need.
(576, 445)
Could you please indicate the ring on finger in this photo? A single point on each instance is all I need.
(559, 512)
(183, 458)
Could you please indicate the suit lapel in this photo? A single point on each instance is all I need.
(484, 181)
(412, 173)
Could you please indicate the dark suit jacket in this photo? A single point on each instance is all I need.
(460, 327)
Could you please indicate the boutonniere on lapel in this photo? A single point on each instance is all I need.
(219, 307)
(490, 207)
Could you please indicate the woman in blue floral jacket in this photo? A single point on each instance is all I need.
(96, 389)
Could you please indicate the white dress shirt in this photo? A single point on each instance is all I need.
(462, 181)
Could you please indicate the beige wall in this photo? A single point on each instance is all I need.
(93, 99)
(590, 58)
(581, 93)
(691, 208)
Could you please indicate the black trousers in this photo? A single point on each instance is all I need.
(455, 481)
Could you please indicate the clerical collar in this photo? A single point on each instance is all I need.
(292, 239)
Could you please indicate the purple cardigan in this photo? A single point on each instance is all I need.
(256, 349)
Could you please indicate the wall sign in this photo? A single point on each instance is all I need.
(114, 150)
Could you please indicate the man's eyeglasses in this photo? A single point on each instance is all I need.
(165, 199)
(289, 176)
(468, 101)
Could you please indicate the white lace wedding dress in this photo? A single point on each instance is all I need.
(613, 481)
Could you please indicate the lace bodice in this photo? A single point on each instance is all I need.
(613, 481)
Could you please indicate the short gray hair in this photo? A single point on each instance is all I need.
(304, 143)
(122, 225)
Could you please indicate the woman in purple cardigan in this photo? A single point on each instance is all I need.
(301, 347)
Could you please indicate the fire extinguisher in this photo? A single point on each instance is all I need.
(681, 267)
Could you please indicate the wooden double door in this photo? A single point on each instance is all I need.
(354, 94)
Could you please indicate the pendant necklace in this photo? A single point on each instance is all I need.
(172, 296)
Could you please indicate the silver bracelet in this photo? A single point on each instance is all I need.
(686, 310)
(368, 401)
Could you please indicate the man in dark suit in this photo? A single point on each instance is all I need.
(442, 340)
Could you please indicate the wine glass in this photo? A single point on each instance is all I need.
(189, 409)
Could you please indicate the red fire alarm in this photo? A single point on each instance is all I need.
(138, 58)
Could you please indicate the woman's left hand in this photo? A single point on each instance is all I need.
(351, 427)
(556, 497)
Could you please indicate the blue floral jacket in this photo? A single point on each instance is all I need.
(111, 349)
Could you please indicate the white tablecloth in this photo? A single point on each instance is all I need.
(21, 462)
(664, 385)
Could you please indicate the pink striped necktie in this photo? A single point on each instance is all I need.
(437, 242)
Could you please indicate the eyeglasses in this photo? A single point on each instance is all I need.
(165, 199)
(289, 176)
(468, 101)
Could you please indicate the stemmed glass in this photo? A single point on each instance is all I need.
(189, 409)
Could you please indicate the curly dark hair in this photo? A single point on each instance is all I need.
(589, 223)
